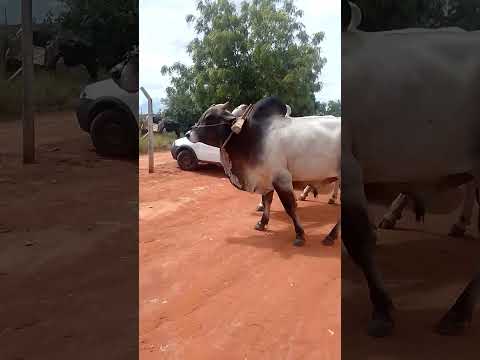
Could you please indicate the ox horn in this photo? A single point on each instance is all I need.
(356, 17)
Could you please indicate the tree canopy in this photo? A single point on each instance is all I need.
(390, 14)
(242, 54)
(111, 26)
(332, 107)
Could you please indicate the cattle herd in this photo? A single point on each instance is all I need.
(374, 152)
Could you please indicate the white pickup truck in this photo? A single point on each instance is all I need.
(189, 155)
(108, 110)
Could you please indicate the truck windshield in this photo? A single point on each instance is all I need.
(125, 74)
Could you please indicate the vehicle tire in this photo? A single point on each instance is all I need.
(187, 160)
(112, 134)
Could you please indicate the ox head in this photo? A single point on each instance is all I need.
(213, 127)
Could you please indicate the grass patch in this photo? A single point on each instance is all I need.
(53, 91)
(58, 90)
(161, 142)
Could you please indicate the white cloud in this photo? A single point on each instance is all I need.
(164, 35)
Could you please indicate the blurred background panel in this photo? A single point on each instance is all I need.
(69, 220)
(425, 265)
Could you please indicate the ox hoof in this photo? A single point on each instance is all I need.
(299, 242)
(328, 241)
(260, 207)
(380, 327)
(331, 202)
(456, 231)
(302, 198)
(452, 324)
(260, 226)
(386, 224)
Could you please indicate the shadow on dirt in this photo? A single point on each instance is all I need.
(468, 237)
(281, 241)
(425, 271)
(310, 216)
(211, 170)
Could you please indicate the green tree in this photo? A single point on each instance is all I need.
(391, 14)
(464, 14)
(332, 107)
(243, 54)
(111, 26)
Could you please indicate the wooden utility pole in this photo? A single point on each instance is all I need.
(28, 102)
(3, 50)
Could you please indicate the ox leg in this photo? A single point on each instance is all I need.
(333, 198)
(460, 227)
(261, 205)
(359, 239)
(266, 202)
(332, 236)
(460, 315)
(394, 213)
(305, 193)
(284, 188)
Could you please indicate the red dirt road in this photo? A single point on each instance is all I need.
(211, 287)
(68, 247)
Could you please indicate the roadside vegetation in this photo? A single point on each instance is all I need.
(162, 142)
(243, 53)
(92, 22)
(53, 91)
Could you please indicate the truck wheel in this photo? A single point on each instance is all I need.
(112, 133)
(187, 160)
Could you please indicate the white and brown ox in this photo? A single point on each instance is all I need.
(274, 153)
(420, 201)
(411, 123)
(238, 111)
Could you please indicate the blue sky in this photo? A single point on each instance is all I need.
(164, 35)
